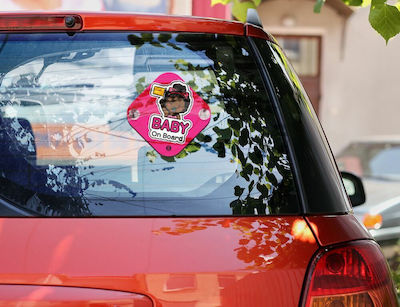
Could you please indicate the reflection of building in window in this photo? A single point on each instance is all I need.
(226, 280)
(180, 282)
(186, 289)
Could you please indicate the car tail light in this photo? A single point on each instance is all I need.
(372, 221)
(354, 275)
(40, 22)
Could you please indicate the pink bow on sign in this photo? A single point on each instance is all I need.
(173, 91)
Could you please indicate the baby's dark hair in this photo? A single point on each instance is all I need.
(177, 90)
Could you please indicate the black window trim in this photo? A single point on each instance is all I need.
(266, 78)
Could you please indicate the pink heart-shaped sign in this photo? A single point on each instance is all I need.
(168, 114)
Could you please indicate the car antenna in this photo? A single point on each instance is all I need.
(253, 18)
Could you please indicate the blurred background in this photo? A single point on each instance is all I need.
(349, 73)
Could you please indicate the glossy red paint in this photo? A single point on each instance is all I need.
(137, 22)
(246, 260)
(126, 22)
(258, 32)
(334, 229)
(39, 22)
(23, 295)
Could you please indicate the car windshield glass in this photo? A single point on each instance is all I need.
(372, 159)
(136, 124)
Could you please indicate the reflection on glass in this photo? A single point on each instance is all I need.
(68, 150)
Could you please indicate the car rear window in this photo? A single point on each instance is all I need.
(137, 124)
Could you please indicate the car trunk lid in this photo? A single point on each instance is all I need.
(214, 261)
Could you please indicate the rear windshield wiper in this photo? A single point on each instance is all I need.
(9, 208)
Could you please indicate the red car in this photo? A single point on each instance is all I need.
(169, 161)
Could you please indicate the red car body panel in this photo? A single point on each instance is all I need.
(204, 260)
(137, 22)
(159, 23)
(334, 229)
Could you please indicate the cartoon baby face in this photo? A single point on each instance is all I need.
(176, 101)
(174, 104)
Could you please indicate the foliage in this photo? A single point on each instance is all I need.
(394, 264)
(396, 279)
(239, 7)
(383, 17)
(260, 241)
(245, 134)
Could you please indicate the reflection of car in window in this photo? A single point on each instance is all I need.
(377, 160)
(228, 196)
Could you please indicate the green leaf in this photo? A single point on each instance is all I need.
(224, 2)
(204, 138)
(193, 147)
(251, 186)
(318, 6)
(164, 37)
(353, 2)
(234, 150)
(385, 19)
(263, 189)
(238, 191)
(139, 88)
(247, 171)
(174, 46)
(272, 179)
(219, 147)
(241, 157)
(236, 206)
(239, 9)
(224, 134)
(244, 137)
(168, 159)
(157, 44)
(182, 154)
(208, 88)
(147, 37)
(256, 156)
(151, 155)
(366, 3)
(135, 40)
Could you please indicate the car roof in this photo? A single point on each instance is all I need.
(122, 21)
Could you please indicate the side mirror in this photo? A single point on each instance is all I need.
(354, 188)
